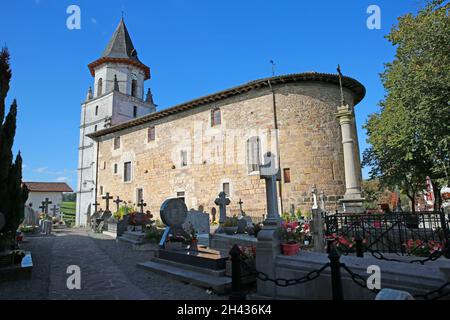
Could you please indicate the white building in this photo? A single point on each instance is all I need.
(40, 191)
(118, 96)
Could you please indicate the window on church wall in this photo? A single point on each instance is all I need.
(253, 154)
(95, 128)
(96, 110)
(104, 165)
(183, 158)
(127, 172)
(139, 195)
(287, 175)
(134, 88)
(116, 143)
(115, 168)
(216, 117)
(99, 87)
(101, 190)
(135, 112)
(151, 135)
(226, 188)
(181, 195)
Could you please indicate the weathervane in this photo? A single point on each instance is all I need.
(273, 67)
(340, 84)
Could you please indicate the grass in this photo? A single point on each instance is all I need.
(68, 211)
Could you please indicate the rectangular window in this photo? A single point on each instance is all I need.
(226, 188)
(104, 165)
(183, 158)
(116, 143)
(115, 168)
(181, 195)
(253, 154)
(127, 171)
(139, 195)
(151, 134)
(135, 112)
(101, 189)
(287, 175)
(215, 117)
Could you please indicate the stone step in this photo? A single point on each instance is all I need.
(129, 240)
(211, 272)
(220, 284)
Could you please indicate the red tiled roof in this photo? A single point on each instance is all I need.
(48, 187)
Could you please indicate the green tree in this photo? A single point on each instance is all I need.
(410, 136)
(12, 193)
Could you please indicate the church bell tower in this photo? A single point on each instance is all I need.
(117, 96)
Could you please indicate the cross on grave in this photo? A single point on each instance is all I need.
(117, 202)
(222, 201)
(95, 205)
(46, 203)
(142, 204)
(241, 213)
(107, 197)
(42, 207)
(54, 209)
(270, 172)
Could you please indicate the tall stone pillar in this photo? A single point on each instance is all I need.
(352, 201)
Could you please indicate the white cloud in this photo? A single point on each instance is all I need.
(62, 179)
(41, 169)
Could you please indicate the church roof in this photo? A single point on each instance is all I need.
(353, 85)
(120, 49)
(48, 187)
(120, 45)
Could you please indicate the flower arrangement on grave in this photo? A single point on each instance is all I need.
(421, 248)
(231, 221)
(153, 234)
(343, 243)
(248, 253)
(191, 231)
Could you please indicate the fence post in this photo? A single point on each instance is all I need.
(336, 280)
(359, 246)
(317, 230)
(236, 281)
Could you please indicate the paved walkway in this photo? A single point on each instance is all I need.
(108, 271)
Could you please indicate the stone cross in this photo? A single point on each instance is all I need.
(107, 197)
(241, 213)
(142, 204)
(95, 205)
(270, 172)
(322, 200)
(54, 209)
(46, 203)
(314, 195)
(117, 202)
(222, 201)
(42, 207)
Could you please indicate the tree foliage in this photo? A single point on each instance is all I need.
(410, 136)
(12, 194)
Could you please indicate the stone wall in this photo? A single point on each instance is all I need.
(310, 146)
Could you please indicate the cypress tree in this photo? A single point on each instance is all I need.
(12, 193)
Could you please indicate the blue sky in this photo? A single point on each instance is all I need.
(192, 47)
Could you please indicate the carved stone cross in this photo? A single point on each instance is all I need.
(42, 207)
(222, 201)
(241, 213)
(142, 204)
(46, 203)
(270, 172)
(107, 197)
(117, 202)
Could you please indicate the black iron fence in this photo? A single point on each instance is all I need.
(403, 233)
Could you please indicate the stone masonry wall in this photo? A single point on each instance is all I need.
(310, 146)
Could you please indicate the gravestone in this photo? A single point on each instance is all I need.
(222, 201)
(173, 214)
(199, 220)
(30, 217)
(242, 225)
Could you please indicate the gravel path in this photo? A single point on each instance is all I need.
(108, 271)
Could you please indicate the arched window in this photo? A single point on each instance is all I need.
(253, 154)
(134, 88)
(99, 87)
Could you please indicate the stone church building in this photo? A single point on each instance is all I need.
(214, 143)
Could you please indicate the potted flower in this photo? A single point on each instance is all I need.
(230, 225)
(290, 235)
